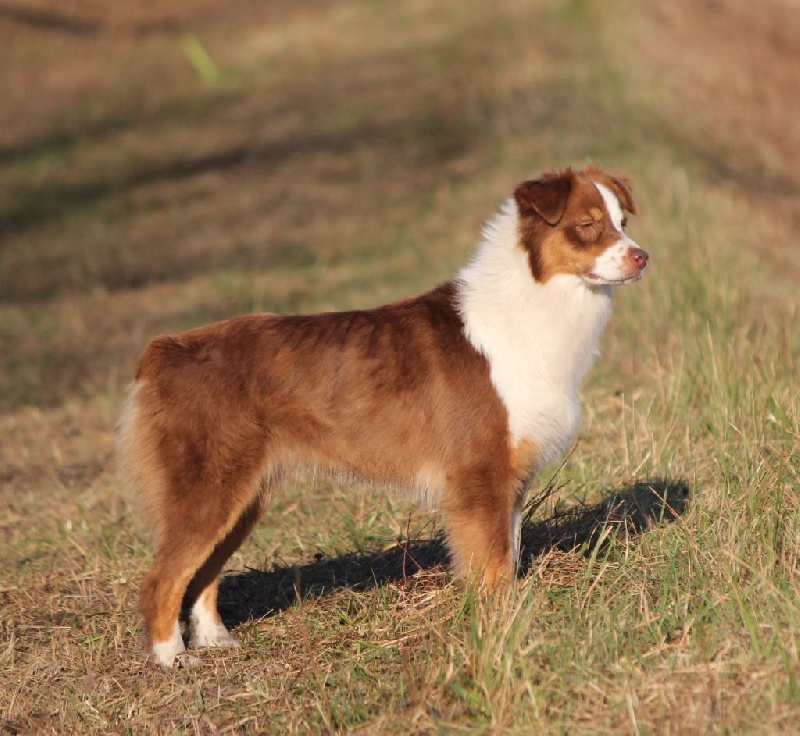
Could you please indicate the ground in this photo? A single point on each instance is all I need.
(163, 165)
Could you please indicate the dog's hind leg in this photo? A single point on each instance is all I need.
(200, 600)
(198, 534)
(160, 599)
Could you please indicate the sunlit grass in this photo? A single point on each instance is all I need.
(348, 157)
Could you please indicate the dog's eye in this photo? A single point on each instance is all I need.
(587, 230)
(624, 222)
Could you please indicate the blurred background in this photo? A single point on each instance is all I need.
(164, 164)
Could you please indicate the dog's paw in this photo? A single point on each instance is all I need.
(218, 636)
(166, 651)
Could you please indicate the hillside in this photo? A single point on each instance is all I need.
(163, 165)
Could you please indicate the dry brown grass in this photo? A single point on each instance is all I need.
(347, 155)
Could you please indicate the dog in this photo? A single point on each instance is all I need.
(461, 393)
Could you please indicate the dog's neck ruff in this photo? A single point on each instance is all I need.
(539, 339)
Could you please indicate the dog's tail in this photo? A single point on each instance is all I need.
(137, 466)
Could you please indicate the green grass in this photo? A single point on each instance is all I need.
(347, 155)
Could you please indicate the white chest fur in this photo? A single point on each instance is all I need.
(540, 339)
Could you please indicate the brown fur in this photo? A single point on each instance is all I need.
(220, 410)
(567, 199)
(393, 394)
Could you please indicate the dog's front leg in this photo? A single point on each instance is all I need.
(482, 521)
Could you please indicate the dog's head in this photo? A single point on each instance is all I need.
(574, 223)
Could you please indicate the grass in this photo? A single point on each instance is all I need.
(344, 155)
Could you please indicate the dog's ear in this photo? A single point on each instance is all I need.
(617, 184)
(546, 196)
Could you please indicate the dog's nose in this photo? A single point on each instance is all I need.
(639, 257)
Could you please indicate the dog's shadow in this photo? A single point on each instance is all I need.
(633, 509)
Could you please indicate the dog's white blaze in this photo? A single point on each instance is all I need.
(206, 631)
(612, 205)
(166, 651)
(610, 266)
(539, 339)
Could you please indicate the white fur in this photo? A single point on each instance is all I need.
(516, 535)
(206, 631)
(166, 651)
(610, 266)
(540, 339)
(612, 205)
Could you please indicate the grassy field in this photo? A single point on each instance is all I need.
(162, 166)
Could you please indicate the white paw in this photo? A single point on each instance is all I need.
(166, 651)
(206, 628)
(216, 637)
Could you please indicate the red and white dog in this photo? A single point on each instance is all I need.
(462, 393)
